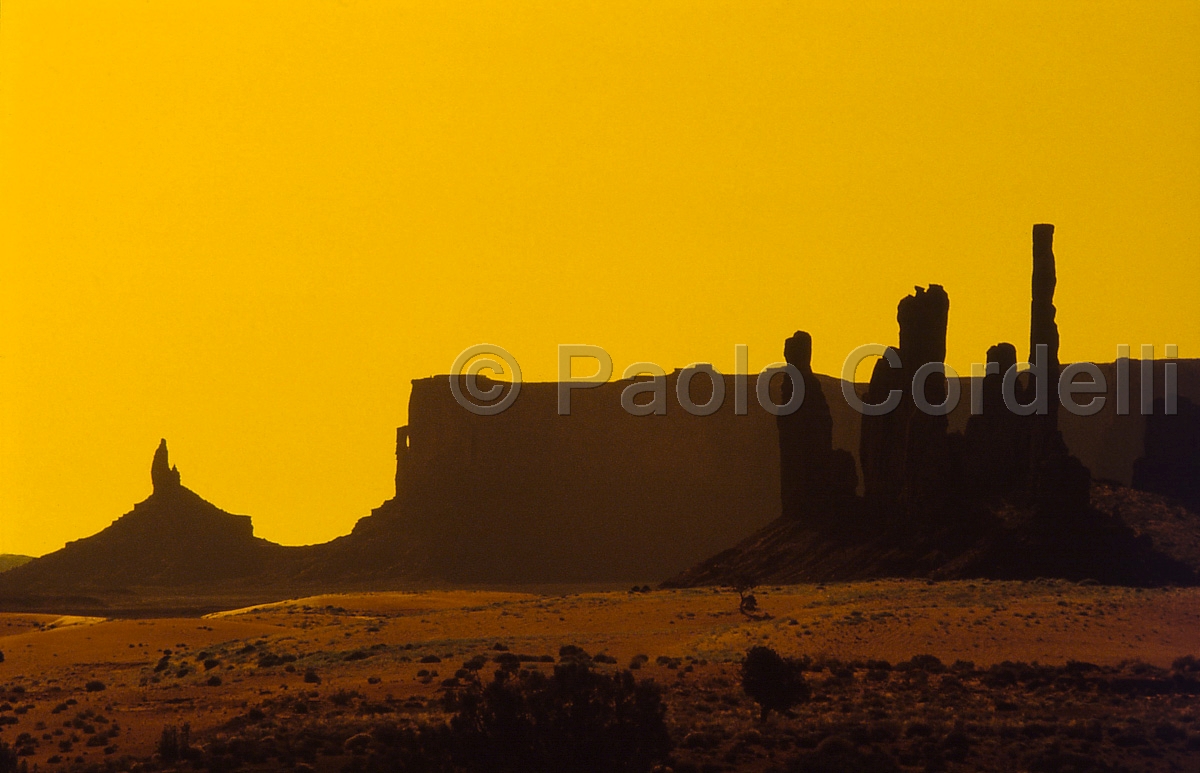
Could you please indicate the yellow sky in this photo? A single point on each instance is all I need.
(246, 226)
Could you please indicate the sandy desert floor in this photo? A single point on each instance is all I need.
(79, 693)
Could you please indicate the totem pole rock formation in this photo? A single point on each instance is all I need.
(904, 453)
(816, 481)
(1025, 457)
(164, 477)
(1057, 479)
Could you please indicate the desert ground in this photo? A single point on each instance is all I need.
(1048, 675)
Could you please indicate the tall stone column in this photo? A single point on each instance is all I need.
(1043, 329)
(815, 480)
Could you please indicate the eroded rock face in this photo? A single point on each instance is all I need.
(904, 453)
(1170, 464)
(816, 481)
(997, 440)
(164, 477)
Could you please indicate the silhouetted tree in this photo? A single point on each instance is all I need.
(774, 682)
(744, 588)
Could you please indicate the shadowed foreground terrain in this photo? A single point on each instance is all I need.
(902, 675)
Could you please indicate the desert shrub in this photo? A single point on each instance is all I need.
(475, 663)
(311, 677)
(211, 663)
(575, 720)
(1185, 663)
(269, 659)
(507, 661)
(930, 664)
(572, 652)
(213, 681)
(95, 686)
(344, 698)
(430, 659)
(774, 682)
(1, 657)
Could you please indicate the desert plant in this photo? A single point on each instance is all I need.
(747, 601)
(573, 720)
(774, 682)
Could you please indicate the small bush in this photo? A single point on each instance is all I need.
(311, 677)
(95, 686)
(775, 683)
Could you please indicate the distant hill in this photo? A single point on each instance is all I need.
(11, 561)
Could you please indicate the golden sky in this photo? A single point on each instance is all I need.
(247, 226)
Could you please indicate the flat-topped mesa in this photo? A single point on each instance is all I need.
(162, 474)
(816, 481)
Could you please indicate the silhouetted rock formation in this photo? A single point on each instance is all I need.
(905, 453)
(997, 440)
(816, 481)
(1025, 458)
(163, 476)
(172, 541)
(1170, 463)
(1058, 481)
(602, 495)
(1005, 500)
